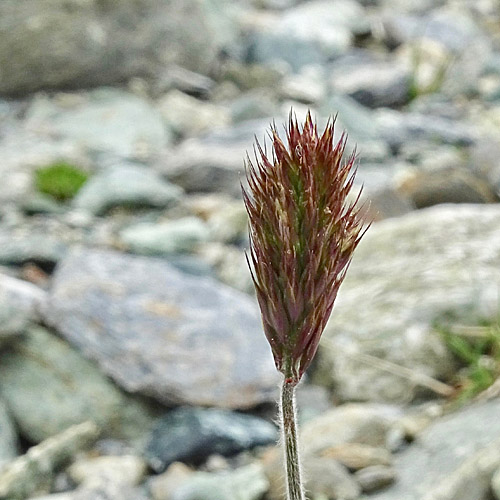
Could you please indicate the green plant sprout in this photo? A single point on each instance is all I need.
(60, 180)
(478, 351)
(303, 233)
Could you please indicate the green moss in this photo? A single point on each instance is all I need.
(60, 180)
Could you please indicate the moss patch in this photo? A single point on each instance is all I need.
(60, 180)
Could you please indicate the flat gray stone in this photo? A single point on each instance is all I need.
(19, 304)
(373, 83)
(73, 390)
(428, 267)
(102, 120)
(159, 332)
(165, 238)
(126, 185)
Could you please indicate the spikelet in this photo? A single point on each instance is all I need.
(303, 233)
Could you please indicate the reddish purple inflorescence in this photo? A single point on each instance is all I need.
(303, 232)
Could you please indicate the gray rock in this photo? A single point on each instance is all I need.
(103, 120)
(164, 238)
(323, 477)
(381, 194)
(127, 185)
(162, 486)
(19, 304)
(253, 105)
(357, 456)
(8, 438)
(360, 123)
(449, 185)
(60, 44)
(229, 264)
(23, 245)
(409, 275)
(33, 471)
(198, 166)
(350, 423)
(188, 116)
(453, 459)
(126, 470)
(73, 388)
(245, 483)
(373, 83)
(190, 82)
(309, 86)
(375, 477)
(398, 128)
(484, 160)
(311, 33)
(495, 484)
(193, 434)
(177, 338)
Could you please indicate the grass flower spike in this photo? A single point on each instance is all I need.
(303, 233)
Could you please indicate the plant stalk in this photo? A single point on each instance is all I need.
(295, 490)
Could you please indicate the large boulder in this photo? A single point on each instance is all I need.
(162, 333)
(453, 459)
(77, 43)
(410, 277)
(73, 388)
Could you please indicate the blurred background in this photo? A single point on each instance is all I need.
(132, 359)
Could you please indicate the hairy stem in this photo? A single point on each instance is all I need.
(290, 442)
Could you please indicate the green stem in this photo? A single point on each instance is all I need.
(290, 442)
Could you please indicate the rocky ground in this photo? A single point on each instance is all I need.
(133, 365)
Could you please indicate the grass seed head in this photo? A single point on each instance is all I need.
(303, 233)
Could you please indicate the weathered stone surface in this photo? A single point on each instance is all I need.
(188, 116)
(449, 185)
(375, 477)
(311, 33)
(198, 166)
(495, 484)
(123, 124)
(177, 338)
(409, 274)
(193, 434)
(245, 483)
(19, 304)
(324, 477)
(357, 456)
(8, 436)
(453, 459)
(73, 391)
(182, 235)
(126, 469)
(351, 423)
(373, 83)
(24, 245)
(162, 486)
(127, 185)
(398, 128)
(60, 44)
(33, 471)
